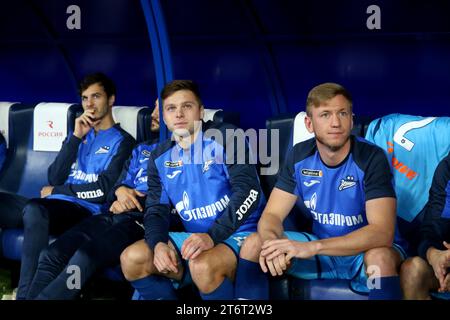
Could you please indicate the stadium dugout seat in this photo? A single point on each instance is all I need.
(292, 130)
(219, 116)
(25, 170)
(136, 120)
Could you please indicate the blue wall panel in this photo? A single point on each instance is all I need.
(42, 60)
(258, 57)
(230, 77)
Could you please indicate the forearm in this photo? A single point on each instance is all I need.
(59, 170)
(156, 223)
(431, 254)
(270, 226)
(356, 242)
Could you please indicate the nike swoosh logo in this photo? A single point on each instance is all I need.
(310, 183)
(174, 174)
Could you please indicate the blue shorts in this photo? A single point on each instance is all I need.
(440, 295)
(331, 267)
(234, 242)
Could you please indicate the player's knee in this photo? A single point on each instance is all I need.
(412, 271)
(385, 260)
(34, 213)
(251, 247)
(84, 257)
(206, 273)
(133, 261)
(202, 267)
(49, 255)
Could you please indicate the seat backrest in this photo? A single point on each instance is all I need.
(4, 119)
(144, 124)
(133, 119)
(218, 115)
(4, 130)
(25, 170)
(284, 124)
(20, 119)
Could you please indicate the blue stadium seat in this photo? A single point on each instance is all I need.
(25, 170)
(136, 120)
(323, 289)
(12, 241)
(219, 116)
(20, 123)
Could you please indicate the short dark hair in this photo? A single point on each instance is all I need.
(177, 85)
(100, 78)
(323, 92)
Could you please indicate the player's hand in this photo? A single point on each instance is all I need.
(276, 266)
(128, 198)
(117, 208)
(165, 258)
(196, 244)
(445, 287)
(440, 261)
(84, 123)
(303, 250)
(46, 191)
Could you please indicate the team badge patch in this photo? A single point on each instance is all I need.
(346, 183)
(207, 165)
(102, 150)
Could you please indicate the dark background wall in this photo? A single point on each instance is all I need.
(257, 57)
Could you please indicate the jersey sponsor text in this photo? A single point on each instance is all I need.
(90, 194)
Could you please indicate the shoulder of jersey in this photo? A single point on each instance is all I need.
(304, 149)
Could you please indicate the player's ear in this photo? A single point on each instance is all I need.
(202, 112)
(111, 100)
(308, 124)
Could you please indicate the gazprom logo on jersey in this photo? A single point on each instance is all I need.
(140, 177)
(83, 176)
(334, 219)
(311, 203)
(204, 212)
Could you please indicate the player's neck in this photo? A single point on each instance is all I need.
(186, 142)
(106, 123)
(331, 157)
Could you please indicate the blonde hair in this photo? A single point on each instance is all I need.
(323, 92)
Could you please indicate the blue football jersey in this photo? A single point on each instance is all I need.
(86, 169)
(414, 146)
(210, 190)
(336, 196)
(134, 174)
